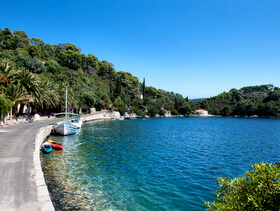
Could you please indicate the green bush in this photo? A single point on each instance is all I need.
(258, 190)
(174, 111)
(5, 107)
(52, 66)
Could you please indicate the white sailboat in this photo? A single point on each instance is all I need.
(75, 119)
(66, 128)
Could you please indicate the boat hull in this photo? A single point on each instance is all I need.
(66, 129)
(46, 148)
(57, 146)
(77, 124)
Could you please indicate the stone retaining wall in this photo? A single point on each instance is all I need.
(42, 190)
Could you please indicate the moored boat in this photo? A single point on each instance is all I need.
(55, 145)
(76, 120)
(46, 148)
(65, 128)
(120, 118)
(142, 117)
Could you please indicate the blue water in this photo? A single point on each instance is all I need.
(156, 164)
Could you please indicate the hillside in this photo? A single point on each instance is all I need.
(37, 73)
(261, 100)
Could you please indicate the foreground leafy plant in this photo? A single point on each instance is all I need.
(258, 190)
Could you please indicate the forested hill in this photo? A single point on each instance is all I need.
(37, 73)
(261, 100)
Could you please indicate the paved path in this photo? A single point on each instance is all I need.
(22, 186)
(18, 190)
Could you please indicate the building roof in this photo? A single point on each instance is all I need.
(200, 110)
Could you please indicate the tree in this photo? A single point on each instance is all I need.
(52, 66)
(16, 94)
(29, 82)
(22, 59)
(49, 50)
(6, 73)
(185, 108)
(5, 107)
(143, 89)
(174, 111)
(258, 190)
(48, 97)
(226, 110)
(88, 98)
(204, 104)
(36, 66)
(118, 103)
(38, 42)
(8, 39)
(34, 51)
(1, 39)
(106, 70)
(21, 40)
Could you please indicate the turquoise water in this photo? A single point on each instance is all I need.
(156, 164)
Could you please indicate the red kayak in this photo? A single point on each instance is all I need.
(55, 145)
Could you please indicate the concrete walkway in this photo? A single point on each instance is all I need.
(22, 184)
(18, 187)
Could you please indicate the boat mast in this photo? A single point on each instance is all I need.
(65, 120)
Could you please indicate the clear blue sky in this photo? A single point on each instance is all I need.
(198, 48)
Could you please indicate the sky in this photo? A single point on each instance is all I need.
(198, 48)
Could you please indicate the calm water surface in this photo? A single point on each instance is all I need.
(156, 164)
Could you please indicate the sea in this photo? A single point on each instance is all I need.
(157, 163)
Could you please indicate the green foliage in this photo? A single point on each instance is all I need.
(258, 190)
(174, 112)
(204, 105)
(34, 51)
(261, 100)
(37, 42)
(22, 60)
(5, 107)
(91, 80)
(226, 110)
(8, 39)
(119, 104)
(161, 112)
(185, 108)
(152, 112)
(36, 66)
(106, 70)
(88, 99)
(21, 40)
(52, 66)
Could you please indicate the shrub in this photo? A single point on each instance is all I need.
(36, 66)
(5, 107)
(52, 66)
(174, 111)
(258, 190)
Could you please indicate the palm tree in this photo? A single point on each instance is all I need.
(6, 75)
(29, 82)
(48, 95)
(17, 95)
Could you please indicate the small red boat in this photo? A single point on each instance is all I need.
(55, 145)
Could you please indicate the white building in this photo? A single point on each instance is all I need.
(201, 112)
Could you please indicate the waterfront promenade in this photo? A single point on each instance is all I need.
(21, 178)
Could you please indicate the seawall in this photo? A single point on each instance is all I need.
(42, 190)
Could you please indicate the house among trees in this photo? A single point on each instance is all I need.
(201, 112)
